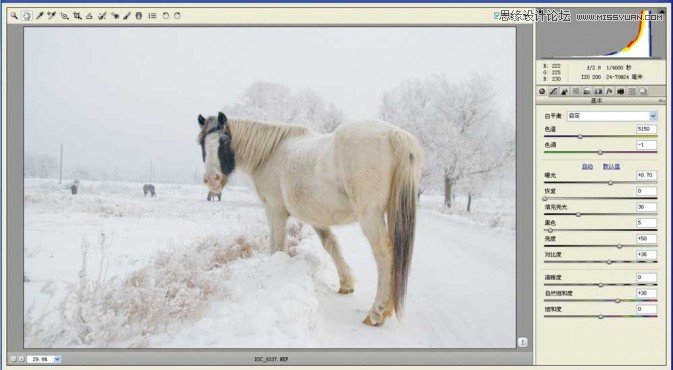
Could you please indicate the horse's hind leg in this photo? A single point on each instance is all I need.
(374, 228)
(331, 245)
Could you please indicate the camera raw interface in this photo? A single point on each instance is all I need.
(336, 184)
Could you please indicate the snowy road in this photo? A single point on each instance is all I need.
(461, 291)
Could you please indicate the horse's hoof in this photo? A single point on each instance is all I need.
(369, 322)
(346, 290)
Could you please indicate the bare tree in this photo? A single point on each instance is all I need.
(83, 173)
(457, 124)
(39, 165)
(409, 105)
(493, 148)
(275, 102)
(331, 118)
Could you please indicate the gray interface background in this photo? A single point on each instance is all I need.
(297, 356)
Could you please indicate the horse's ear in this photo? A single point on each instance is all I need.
(202, 121)
(221, 119)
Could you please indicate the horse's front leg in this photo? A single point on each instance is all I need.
(277, 218)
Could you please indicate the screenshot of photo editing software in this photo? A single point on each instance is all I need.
(456, 185)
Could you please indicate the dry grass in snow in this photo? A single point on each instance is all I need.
(177, 285)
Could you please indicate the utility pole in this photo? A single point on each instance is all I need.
(60, 167)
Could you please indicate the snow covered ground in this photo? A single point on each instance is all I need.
(111, 268)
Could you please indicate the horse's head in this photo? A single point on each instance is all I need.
(218, 156)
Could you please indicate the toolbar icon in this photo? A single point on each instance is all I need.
(65, 16)
(89, 16)
(177, 15)
(139, 15)
(101, 16)
(13, 15)
(152, 16)
(51, 15)
(76, 15)
(114, 15)
(39, 15)
(166, 15)
(27, 15)
(127, 16)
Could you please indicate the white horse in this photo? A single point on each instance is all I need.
(366, 172)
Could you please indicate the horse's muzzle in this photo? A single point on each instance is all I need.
(215, 181)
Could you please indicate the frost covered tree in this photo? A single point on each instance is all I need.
(463, 134)
(39, 165)
(410, 106)
(82, 174)
(492, 149)
(267, 101)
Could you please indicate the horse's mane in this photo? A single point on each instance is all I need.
(253, 142)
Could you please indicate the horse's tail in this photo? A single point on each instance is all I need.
(408, 159)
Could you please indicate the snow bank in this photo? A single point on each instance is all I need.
(174, 287)
(178, 271)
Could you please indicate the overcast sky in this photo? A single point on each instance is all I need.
(118, 97)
